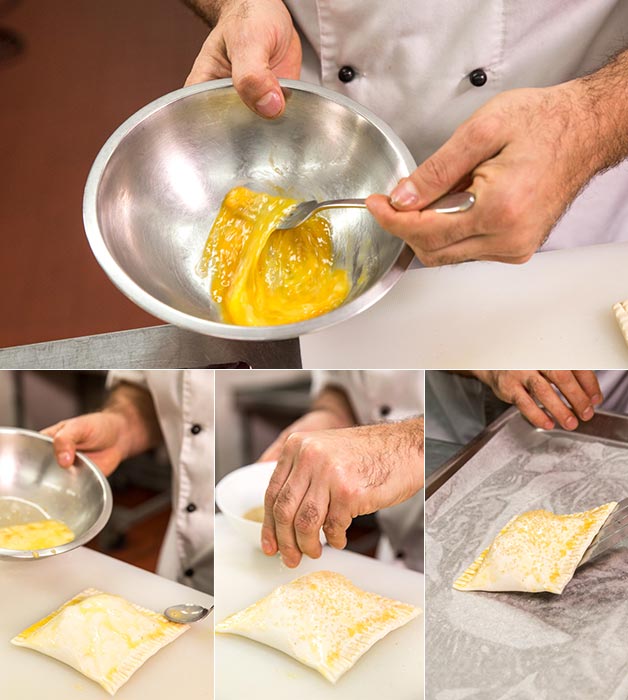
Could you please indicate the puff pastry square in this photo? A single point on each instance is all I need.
(322, 620)
(535, 552)
(103, 636)
(621, 314)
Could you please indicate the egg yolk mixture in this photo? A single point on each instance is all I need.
(264, 277)
(255, 514)
(41, 534)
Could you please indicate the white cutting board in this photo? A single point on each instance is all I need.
(392, 669)
(554, 311)
(29, 590)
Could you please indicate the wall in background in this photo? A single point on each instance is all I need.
(86, 67)
(229, 437)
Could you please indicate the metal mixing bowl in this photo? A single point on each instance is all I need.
(157, 184)
(34, 487)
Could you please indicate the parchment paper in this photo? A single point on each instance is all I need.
(536, 646)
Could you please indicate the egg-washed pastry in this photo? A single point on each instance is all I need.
(103, 636)
(322, 620)
(41, 534)
(621, 313)
(264, 277)
(536, 551)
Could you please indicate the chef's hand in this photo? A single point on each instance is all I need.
(525, 155)
(320, 419)
(101, 436)
(254, 43)
(580, 389)
(326, 478)
(126, 426)
(330, 410)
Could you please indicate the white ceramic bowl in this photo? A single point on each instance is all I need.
(240, 491)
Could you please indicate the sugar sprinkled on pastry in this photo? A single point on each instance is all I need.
(322, 620)
(103, 636)
(41, 534)
(621, 313)
(536, 551)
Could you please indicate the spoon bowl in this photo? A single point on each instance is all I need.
(186, 613)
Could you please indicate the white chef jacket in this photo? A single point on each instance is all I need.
(184, 402)
(413, 59)
(378, 396)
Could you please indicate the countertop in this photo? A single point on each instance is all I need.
(29, 590)
(555, 309)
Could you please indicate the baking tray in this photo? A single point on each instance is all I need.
(516, 645)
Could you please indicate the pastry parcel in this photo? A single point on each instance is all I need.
(103, 636)
(536, 551)
(322, 620)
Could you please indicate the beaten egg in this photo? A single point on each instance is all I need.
(264, 277)
(41, 534)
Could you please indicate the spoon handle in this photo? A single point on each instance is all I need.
(452, 203)
(342, 204)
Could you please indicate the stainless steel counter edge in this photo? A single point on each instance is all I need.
(156, 347)
(604, 426)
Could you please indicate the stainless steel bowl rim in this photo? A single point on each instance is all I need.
(90, 533)
(224, 330)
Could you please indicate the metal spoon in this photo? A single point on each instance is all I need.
(451, 203)
(185, 613)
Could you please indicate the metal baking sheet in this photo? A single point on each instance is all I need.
(537, 646)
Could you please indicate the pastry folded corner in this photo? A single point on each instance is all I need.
(621, 314)
(535, 552)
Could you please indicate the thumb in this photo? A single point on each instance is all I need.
(472, 143)
(256, 83)
(272, 452)
(66, 440)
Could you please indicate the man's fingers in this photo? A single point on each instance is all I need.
(210, 63)
(338, 520)
(255, 82)
(567, 383)
(285, 509)
(588, 381)
(52, 430)
(272, 452)
(473, 142)
(69, 437)
(545, 393)
(277, 480)
(526, 404)
(425, 230)
(309, 519)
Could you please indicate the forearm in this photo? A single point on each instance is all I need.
(412, 445)
(208, 10)
(335, 400)
(396, 451)
(604, 96)
(139, 422)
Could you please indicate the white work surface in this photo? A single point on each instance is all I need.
(392, 668)
(29, 590)
(554, 311)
